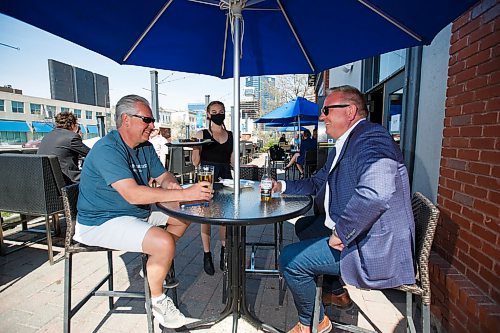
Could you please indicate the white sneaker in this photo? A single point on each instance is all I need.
(167, 313)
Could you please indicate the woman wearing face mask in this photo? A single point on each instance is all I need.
(220, 155)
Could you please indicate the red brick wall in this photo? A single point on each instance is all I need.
(466, 271)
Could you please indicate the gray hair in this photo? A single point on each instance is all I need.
(127, 105)
(355, 96)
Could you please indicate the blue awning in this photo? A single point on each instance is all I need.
(92, 129)
(14, 126)
(83, 128)
(41, 127)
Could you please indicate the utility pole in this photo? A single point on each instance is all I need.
(207, 101)
(154, 95)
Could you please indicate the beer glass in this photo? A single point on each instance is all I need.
(206, 173)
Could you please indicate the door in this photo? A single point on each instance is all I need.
(393, 105)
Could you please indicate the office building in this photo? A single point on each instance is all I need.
(24, 118)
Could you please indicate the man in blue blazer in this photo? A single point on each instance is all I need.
(368, 210)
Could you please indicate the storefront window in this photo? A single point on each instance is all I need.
(390, 62)
(13, 138)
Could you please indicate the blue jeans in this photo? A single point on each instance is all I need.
(308, 227)
(300, 263)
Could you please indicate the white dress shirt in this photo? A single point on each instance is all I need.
(339, 144)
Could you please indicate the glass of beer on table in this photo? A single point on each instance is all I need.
(206, 174)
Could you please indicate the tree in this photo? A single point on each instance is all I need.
(287, 87)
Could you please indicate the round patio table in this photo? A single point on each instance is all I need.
(236, 214)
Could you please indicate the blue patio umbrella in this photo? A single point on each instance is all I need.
(297, 109)
(276, 36)
(229, 38)
(287, 129)
(292, 123)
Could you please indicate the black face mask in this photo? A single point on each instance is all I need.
(218, 119)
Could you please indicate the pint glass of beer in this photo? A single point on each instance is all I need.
(206, 173)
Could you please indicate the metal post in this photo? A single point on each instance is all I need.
(207, 101)
(154, 94)
(101, 126)
(236, 9)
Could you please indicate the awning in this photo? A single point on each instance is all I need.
(42, 127)
(14, 126)
(83, 128)
(92, 129)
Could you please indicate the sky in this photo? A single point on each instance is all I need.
(27, 69)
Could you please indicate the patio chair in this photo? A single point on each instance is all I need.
(277, 156)
(310, 162)
(31, 185)
(180, 162)
(426, 217)
(70, 198)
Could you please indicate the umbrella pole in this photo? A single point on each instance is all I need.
(236, 81)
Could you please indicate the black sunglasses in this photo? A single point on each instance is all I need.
(147, 120)
(326, 108)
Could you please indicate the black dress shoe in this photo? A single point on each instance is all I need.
(208, 264)
(222, 253)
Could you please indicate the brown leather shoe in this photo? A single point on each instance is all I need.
(324, 326)
(343, 300)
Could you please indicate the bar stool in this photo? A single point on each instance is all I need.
(70, 198)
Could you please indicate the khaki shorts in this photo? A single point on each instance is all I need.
(125, 233)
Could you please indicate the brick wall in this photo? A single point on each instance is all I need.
(465, 267)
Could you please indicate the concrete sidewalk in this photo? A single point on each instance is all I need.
(31, 291)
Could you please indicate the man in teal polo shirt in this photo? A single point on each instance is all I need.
(116, 205)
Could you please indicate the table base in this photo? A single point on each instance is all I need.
(236, 304)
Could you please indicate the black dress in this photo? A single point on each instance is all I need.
(218, 155)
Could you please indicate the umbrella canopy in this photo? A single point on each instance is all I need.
(277, 37)
(291, 123)
(297, 108)
(229, 38)
(287, 129)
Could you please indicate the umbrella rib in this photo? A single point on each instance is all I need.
(296, 36)
(225, 46)
(150, 26)
(391, 20)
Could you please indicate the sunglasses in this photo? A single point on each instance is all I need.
(146, 120)
(326, 108)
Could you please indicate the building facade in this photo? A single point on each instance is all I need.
(263, 91)
(24, 118)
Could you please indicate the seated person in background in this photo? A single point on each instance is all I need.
(296, 141)
(116, 207)
(367, 211)
(159, 144)
(283, 138)
(299, 158)
(65, 142)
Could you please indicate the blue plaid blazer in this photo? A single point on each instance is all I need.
(370, 201)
